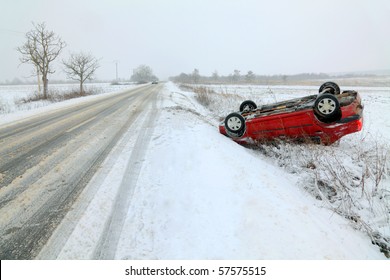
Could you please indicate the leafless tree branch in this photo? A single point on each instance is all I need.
(40, 49)
(81, 67)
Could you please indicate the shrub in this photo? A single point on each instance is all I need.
(4, 108)
(353, 184)
(55, 96)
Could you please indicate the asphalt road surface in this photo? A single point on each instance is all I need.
(47, 160)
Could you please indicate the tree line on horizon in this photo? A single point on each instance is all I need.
(236, 77)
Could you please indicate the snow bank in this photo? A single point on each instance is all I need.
(202, 196)
(11, 109)
(351, 178)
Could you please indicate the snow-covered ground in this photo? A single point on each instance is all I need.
(351, 178)
(11, 96)
(199, 195)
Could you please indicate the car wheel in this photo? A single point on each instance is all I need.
(247, 106)
(329, 87)
(327, 108)
(235, 125)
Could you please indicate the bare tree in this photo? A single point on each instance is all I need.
(236, 75)
(215, 76)
(182, 78)
(41, 49)
(195, 76)
(250, 76)
(143, 74)
(81, 67)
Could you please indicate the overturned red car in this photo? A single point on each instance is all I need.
(322, 118)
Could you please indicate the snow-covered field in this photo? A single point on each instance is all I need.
(351, 178)
(199, 195)
(218, 200)
(11, 96)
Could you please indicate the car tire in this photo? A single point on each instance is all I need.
(327, 108)
(247, 106)
(329, 87)
(235, 125)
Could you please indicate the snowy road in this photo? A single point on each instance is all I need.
(47, 160)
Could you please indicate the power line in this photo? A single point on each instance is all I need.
(15, 32)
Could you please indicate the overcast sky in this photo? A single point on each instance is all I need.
(174, 36)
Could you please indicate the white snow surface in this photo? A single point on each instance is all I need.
(12, 107)
(202, 196)
(199, 195)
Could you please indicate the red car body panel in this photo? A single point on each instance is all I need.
(296, 119)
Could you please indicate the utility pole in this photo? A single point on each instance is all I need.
(36, 65)
(39, 82)
(116, 69)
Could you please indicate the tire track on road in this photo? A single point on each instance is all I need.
(107, 245)
(25, 149)
(24, 235)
